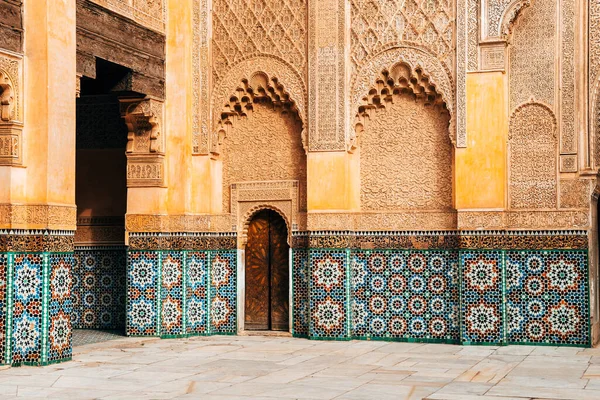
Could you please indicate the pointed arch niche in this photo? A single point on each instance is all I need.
(260, 141)
(402, 135)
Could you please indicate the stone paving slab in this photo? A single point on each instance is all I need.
(267, 367)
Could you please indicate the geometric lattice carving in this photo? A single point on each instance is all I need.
(424, 28)
(400, 79)
(376, 24)
(532, 146)
(145, 144)
(258, 89)
(532, 55)
(243, 28)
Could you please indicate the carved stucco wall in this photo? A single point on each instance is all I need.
(378, 24)
(407, 27)
(264, 146)
(532, 61)
(242, 29)
(532, 144)
(247, 37)
(394, 175)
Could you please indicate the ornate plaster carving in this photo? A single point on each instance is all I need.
(201, 77)
(265, 146)
(10, 111)
(381, 221)
(243, 29)
(595, 120)
(377, 24)
(377, 27)
(38, 216)
(145, 143)
(532, 55)
(508, 17)
(328, 66)
(417, 60)
(256, 78)
(406, 155)
(532, 148)
(473, 34)
(259, 88)
(524, 219)
(390, 83)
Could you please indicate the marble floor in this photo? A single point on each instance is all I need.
(261, 367)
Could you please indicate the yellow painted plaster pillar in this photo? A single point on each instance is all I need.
(333, 181)
(42, 193)
(480, 173)
(179, 100)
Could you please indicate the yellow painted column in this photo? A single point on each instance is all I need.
(44, 189)
(178, 104)
(480, 168)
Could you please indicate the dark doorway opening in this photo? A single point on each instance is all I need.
(267, 273)
(99, 273)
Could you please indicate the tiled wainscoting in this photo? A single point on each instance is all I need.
(35, 297)
(472, 288)
(174, 293)
(99, 287)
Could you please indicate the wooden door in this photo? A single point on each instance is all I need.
(267, 273)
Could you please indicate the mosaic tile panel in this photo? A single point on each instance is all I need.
(223, 291)
(196, 301)
(329, 316)
(143, 300)
(300, 310)
(172, 293)
(3, 304)
(547, 297)
(410, 295)
(99, 288)
(59, 346)
(28, 281)
(482, 297)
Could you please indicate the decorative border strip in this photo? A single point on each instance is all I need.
(439, 240)
(183, 241)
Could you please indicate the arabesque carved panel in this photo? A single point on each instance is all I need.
(532, 146)
(532, 55)
(393, 174)
(265, 146)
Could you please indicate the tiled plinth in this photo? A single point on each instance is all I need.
(468, 288)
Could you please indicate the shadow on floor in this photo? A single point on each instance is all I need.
(89, 336)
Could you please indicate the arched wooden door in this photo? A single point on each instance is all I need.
(267, 273)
